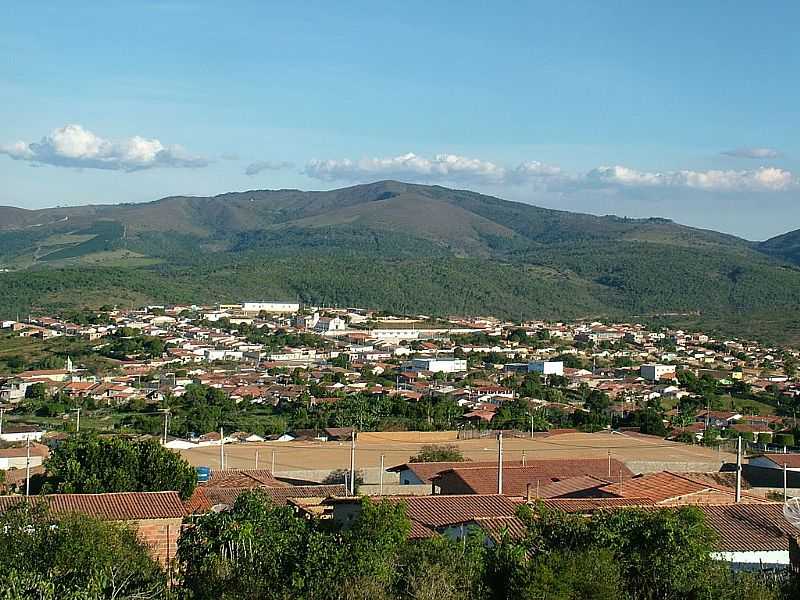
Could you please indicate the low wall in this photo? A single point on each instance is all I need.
(653, 466)
(418, 437)
(371, 475)
(396, 490)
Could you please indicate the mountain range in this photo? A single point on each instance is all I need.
(402, 247)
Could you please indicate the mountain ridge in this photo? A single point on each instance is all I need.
(376, 243)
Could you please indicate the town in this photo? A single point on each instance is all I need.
(463, 421)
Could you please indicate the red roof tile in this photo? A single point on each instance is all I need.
(118, 506)
(204, 498)
(516, 479)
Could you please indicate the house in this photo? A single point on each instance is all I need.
(656, 372)
(776, 461)
(749, 536)
(546, 367)
(156, 516)
(717, 418)
(12, 432)
(436, 365)
(17, 458)
(424, 472)
(677, 489)
(430, 514)
(522, 481)
(207, 499)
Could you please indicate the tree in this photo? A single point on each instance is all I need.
(438, 453)
(93, 465)
(784, 439)
(74, 556)
(259, 550)
(37, 391)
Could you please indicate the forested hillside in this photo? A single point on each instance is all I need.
(397, 246)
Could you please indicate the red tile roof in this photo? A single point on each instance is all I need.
(516, 479)
(584, 485)
(588, 505)
(749, 527)
(242, 478)
(118, 506)
(665, 486)
(204, 498)
(427, 471)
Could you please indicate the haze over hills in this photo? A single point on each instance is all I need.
(398, 246)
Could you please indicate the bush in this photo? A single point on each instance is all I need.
(784, 439)
(764, 438)
(443, 453)
(51, 557)
(747, 436)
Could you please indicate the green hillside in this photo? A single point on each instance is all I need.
(397, 246)
(784, 247)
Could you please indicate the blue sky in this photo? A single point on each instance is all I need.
(687, 110)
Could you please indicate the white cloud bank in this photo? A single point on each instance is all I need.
(442, 167)
(755, 153)
(456, 169)
(762, 179)
(74, 146)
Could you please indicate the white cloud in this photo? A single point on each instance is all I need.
(761, 179)
(757, 153)
(441, 168)
(266, 165)
(74, 146)
(451, 168)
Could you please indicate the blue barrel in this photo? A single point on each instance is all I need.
(203, 474)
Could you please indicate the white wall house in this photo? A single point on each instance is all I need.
(546, 367)
(436, 365)
(655, 372)
(270, 307)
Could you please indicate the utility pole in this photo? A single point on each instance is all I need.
(273, 462)
(785, 490)
(531, 426)
(221, 449)
(28, 466)
(2, 412)
(382, 463)
(166, 425)
(256, 458)
(523, 457)
(500, 462)
(353, 463)
(739, 469)
(78, 423)
(609, 463)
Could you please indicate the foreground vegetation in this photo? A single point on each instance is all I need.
(258, 550)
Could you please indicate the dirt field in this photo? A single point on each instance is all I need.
(398, 447)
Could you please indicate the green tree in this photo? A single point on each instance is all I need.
(90, 464)
(438, 453)
(37, 391)
(74, 557)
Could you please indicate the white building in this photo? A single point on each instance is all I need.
(546, 367)
(270, 307)
(436, 365)
(656, 372)
(330, 324)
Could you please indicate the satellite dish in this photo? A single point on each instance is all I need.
(791, 510)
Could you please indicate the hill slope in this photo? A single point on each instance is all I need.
(392, 245)
(784, 247)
